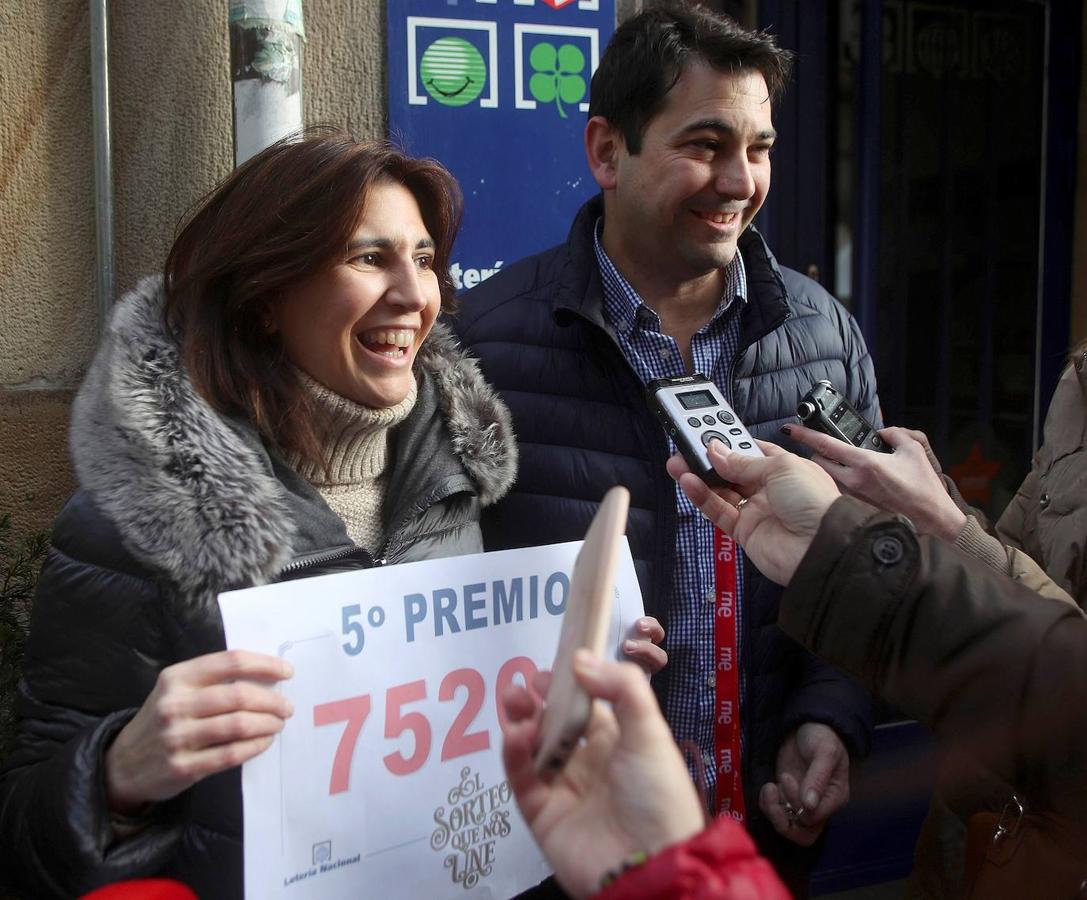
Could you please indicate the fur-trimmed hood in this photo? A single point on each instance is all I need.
(196, 495)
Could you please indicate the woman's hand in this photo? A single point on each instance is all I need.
(901, 482)
(204, 715)
(624, 790)
(784, 499)
(644, 648)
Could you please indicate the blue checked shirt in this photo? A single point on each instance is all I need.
(690, 705)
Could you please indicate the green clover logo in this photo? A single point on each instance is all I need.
(557, 75)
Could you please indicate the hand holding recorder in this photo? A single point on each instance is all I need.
(773, 507)
(906, 482)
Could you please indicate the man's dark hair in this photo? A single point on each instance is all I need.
(649, 53)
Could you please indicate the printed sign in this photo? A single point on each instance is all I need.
(387, 781)
(498, 91)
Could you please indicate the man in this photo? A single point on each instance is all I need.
(661, 276)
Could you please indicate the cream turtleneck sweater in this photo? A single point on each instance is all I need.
(356, 456)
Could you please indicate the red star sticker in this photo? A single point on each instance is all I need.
(975, 475)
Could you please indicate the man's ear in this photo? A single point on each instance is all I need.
(603, 147)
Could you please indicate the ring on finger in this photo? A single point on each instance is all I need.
(742, 504)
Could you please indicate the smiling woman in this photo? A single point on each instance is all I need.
(300, 257)
(357, 326)
(281, 403)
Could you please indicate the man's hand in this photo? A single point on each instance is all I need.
(783, 499)
(901, 482)
(812, 785)
(643, 649)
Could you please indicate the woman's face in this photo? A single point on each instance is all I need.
(357, 326)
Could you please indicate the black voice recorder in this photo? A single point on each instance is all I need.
(824, 409)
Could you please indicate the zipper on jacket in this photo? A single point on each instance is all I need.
(395, 544)
(327, 557)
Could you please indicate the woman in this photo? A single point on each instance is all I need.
(1038, 542)
(280, 404)
(1047, 517)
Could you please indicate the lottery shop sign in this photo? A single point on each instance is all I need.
(498, 91)
(388, 781)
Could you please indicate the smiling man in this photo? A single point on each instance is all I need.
(664, 275)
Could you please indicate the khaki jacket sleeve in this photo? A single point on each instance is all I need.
(974, 541)
(1004, 553)
(1010, 526)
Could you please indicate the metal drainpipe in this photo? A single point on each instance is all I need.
(103, 165)
(266, 39)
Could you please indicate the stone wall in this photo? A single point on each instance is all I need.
(47, 321)
(171, 108)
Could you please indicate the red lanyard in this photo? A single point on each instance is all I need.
(726, 736)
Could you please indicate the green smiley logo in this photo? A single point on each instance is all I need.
(453, 71)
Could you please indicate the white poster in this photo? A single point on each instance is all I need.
(387, 782)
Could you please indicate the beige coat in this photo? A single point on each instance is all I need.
(1040, 539)
(1047, 518)
(1041, 544)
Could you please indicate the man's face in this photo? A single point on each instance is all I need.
(703, 172)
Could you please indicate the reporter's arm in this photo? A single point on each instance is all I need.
(719, 863)
(625, 793)
(995, 670)
(992, 667)
(910, 481)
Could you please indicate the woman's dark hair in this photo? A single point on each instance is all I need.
(278, 219)
(649, 53)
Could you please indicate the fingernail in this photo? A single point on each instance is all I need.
(786, 429)
(630, 646)
(290, 709)
(288, 669)
(584, 660)
(586, 663)
(643, 626)
(811, 799)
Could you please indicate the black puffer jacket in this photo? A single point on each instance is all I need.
(582, 425)
(177, 503)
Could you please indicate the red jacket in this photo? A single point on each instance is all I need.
(719, 863)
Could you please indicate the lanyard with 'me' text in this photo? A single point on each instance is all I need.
(726, 737)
